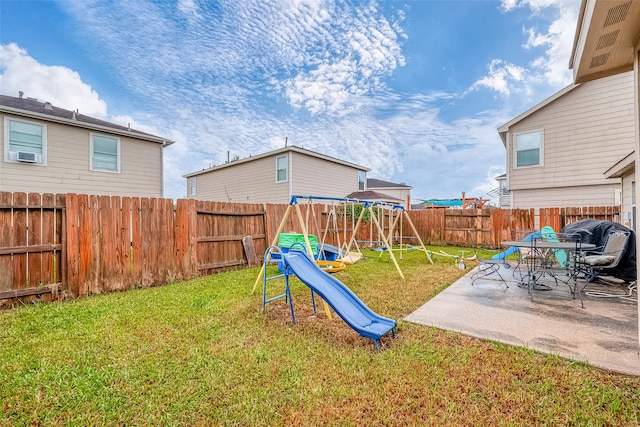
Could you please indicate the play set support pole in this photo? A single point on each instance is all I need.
(305, 232)
(415, 232)
(393, 226)
(307, 243)
(384, 239)
(274, 243)
(355, 229)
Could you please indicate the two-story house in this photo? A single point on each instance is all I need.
(47, 149)
(274, 176)
(561, 152)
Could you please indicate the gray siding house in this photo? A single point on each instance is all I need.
(560, 153)
(400, 192)
(274, 176)
(46, 149)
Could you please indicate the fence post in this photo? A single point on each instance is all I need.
(72, 245)
(186, 237)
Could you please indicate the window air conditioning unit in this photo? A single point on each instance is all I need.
(24, 156)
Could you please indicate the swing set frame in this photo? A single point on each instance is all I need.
(368, 205)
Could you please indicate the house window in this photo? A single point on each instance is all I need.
(528, 149)
(25, 141)
(192, 186)
(105, 153)
(281, 169)
(361, 181)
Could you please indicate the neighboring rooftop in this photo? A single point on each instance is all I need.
(378, 183)
(372, 196)
(290, 148)
(33, 108)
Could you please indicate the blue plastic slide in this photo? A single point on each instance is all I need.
(339, 297)
(513, 249)
(549, 235)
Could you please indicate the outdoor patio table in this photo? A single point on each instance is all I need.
(537, 267)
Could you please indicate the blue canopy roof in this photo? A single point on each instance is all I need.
(452, 202)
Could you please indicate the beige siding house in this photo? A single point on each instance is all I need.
(274, 176)
(46, 149)
(607, 43)
(559, 152)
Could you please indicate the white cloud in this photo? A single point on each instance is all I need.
(59, 85)
(355, 56)
(502, 77)
(488, 184)
(189, 8)
(321, 56)
(551, 69)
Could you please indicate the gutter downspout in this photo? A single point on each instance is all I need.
(290, 166)
(164, 144)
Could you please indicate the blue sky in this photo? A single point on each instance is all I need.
(414, 90)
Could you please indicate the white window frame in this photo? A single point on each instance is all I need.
(286, 169)
(191, 183)
(118, 152)
(362, 181)
(540, 148)
(11, 156)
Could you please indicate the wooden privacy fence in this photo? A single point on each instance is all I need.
(489, 227)
(559, 217)
(486, 227)
(120, 242)
(71, 245)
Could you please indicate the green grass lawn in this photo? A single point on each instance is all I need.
(202, 353)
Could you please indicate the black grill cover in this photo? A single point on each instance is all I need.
(596, 231)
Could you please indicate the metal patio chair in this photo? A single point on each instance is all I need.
(607, 257)
(487, 266)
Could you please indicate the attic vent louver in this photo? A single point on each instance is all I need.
(48, 106)
(600, 60)
(617, 14)
(607, 40)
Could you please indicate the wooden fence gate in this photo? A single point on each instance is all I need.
(31, 245)
(222, 232)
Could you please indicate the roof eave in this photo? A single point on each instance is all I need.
(622, 167)
(31, 114)
(606, 39)
(291, 148)
(403, 187)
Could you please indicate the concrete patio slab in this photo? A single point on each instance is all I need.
(604, 333)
